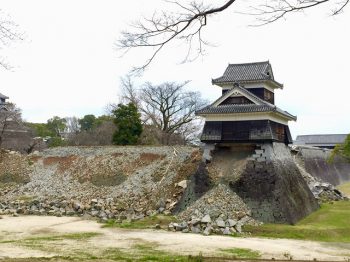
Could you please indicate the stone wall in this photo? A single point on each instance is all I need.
(315, 162)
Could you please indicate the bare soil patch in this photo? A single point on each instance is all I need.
(32, 236)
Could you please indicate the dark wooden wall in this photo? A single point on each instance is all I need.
(245, 131)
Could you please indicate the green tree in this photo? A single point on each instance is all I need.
(56, 125)
(87, 122)
(40, 129)
(342, 150)
(128, 121)
(56, 141)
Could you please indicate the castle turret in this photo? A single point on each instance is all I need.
(246, 111)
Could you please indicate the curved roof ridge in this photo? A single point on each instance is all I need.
(251, 63)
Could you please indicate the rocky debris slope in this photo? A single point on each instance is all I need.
(14, 170)
(123, 181)
(219, 211)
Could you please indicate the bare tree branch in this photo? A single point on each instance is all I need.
(8, 33)
(162, 28)
(186, 25)
(275, 10)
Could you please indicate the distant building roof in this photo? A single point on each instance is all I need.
(3, 96)
(248, 72)
(321, 140)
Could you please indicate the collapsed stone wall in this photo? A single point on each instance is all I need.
(264, 184)
(315, 161)
(273, 187)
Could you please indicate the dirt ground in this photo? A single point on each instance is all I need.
(15, 233)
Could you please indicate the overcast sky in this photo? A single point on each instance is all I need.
(68, 64)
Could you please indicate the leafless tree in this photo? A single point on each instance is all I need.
(168, 106)
(185, 24)
(72, 125)
(99, 135)
(167, 109)
(8, 33)
(129, 92)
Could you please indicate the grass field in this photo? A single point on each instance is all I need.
(345, 188)
(331, 223)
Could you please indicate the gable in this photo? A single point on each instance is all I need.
(238, 95)
(236, 100)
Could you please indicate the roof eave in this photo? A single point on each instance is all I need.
(274, 83)
(287, 116)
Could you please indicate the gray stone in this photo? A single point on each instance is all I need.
(220, 223)
(231, 222)
(160, 204)
(76, 205)
(261, 159)
(171, 227)
(238, 228)
(102, 214)
(195, 229)
(233, 230)
(207, 231)
(226, 231)
(195, 221)
(206, 219)
(104, 219)
(94, 213)
(244, 220)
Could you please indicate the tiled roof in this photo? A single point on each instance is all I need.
(3, 96)
(248, 72)
(321, 139)
(243, 108)
(230, 108)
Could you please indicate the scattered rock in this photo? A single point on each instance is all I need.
(207, 230)
(206, 219)
(220, 223)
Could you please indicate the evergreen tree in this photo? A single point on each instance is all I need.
(87, 122)
(128, 121)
